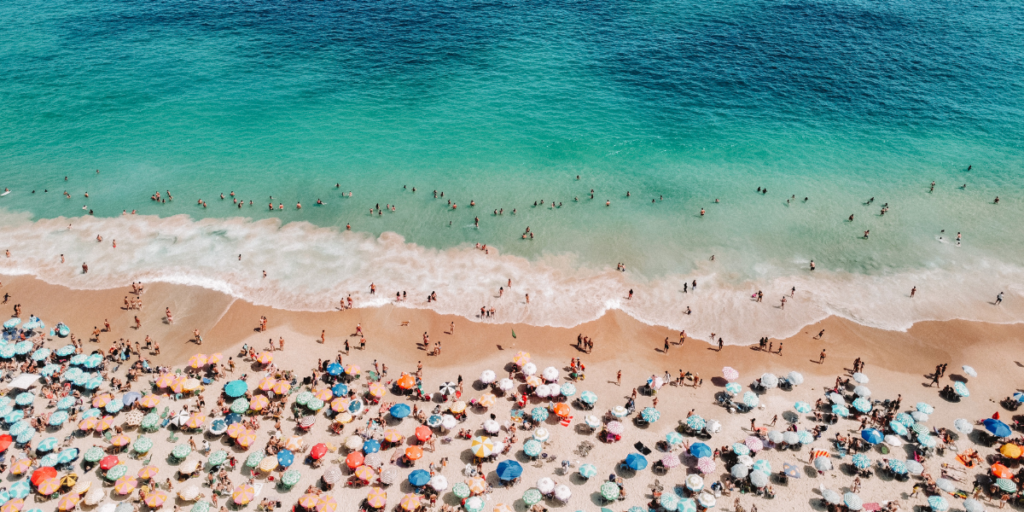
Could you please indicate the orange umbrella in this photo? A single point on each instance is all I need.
(533, 381)
(294, 443)
(392, 436)
(102, 400)
(13, 505)
(88, 423)
(477, 485)
(68, 502)
(156, 499)
(20, 466)
(377, 389)
(246, 439)
(521, 358)
(48, 487)
(308, 501)
(457, 407)
(406, 381)
(104, 423)
(196, 420)
(562, 410)
(282, 387)
(165, 380)
(487, 400)
(125, 484)
(265, 357)
(1001, 471)
(259, 402)
(197, 360)
(267, 383)
(365, 473)
(423, 433)
(340, 404)
(235, 430)
(43, 474)
(326, 504)
(243, 494)
(148, 472)
(149, 401)
(414, 453)
(354, 460)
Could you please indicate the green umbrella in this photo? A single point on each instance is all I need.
(181, 451)
(291, 477)
(303, 397)
(142, 445)
(1006, 485)
(217, 458)
(254, 459)
(151, 421)
(531, 497)
(532, 448)
(460, 490)
(201, 506)
(116, 472)
(315, 404)
(474, 504)
(240, 406)
(93, 454)
(609, 491)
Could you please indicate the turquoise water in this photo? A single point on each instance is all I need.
(504, 104)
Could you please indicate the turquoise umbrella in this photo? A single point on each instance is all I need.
(19, 427)
(7, 351)
(898, 428)
(750, 399)
(925, 408)
(840, 410)
(532, 448)
(695, 422)
(181, 451)
(142, 445)
(7, 409)
(114, 406)
(49, 370)
(315, 404)
(568, 389)
(588, 397)
(12, 323)
(762, 466)
(200, 506)
(938, 503)
(235, 388)
(673, 438)
(460, 490)
(65, 403)
(58, 418)
(588, 471)
(217, 458)
(47, 444)
(20, 489)
(239, 406)
(70, 374)
(862, 405)
(539, 414)
(66, 350)
(14, 416)
(532, 497)
(67, 456)
(254, 458)
(93, 454)
(733, 388)
(24, 399)
(650, 414)
(802, 407)
(48, 461)
(116, 472)
(669, 501)
(740, 449)
(5, 496)
(41, 354)
(23, 347)
(291, 477)
(303, 397)
(94, 382)
(687, 505)
(961, 389)
(78, 360)
(805, 436)
(93, 361)
(906, 419)
(861, 461)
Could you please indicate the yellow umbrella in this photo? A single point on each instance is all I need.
(243, 494)
(327, 503)
(294, 443)
(125, 484)
(324, 394)
(104, 423)
(265, 357)
(48, 486)
(20, 466)
(344, 418)
(1011, 450)
(268, 464)
(120, 440)
(88, 423)
(267, 383)
(308, 501)
(148, 472)
(521, 358)
(533, 381)
(245, 440)
(340, 404)
(214, 358)
(178, 385)
(259, 402)
(501, 507)
(68, 502)
(352, 369)
(197, 361)
(365, 473)
(377, 498)
(482, 446)
(392, 436)
(191, 385)
(458, 407)
(410, 502)
(235, 430)
(149, 401)
(13, 505)
(165, 380)
(487, 400)
(477, 485)
(282, 387)
(377, 389)
(156, 499)
(196, 420)
(102, 400)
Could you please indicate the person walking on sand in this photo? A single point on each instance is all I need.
(618, 378)
(913, 291)
(170, 319)
(999, 298)
(666, 344)
(821, 357)
(821, 334)
(323, 336)
(780, 349)
(280, 343)
(935, 379)
(630, 297)
(138, 323)
(451, 328)
(720, 344)
(783, 305)
(682, 337)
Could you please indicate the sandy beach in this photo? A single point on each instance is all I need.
(896, 362)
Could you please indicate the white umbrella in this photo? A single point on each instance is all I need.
(448, 422)
(498, 446)
(775, 436)
(739, 471)
(189, 493)
(492, 427)
(945, 485)
(795, 378)
(822, 463)
(506, 384)
(354, 443)
(919, 416)
(529, 369)
(562, 493)
(542, 391)
(545, 485)
(706, 500)
(860, 378)
(94, 496)
(746, 460)
(862, 391)
(554, 390)
(970, 371)
(550, 374)
(914, 467)
(769, 380)
(487, 376)
(836, 398)
(712, 427)
(188, 467)
(657, 383)
(963, 426)
(892, 440)
(438, 483)
(541, 434)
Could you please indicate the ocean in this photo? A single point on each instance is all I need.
(683, 105)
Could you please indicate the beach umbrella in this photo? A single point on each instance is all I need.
(341, 389)
(399, 411)
(753, 443)
(377, 498)
(410, 502)
(961, 389)
(291, 477)
(371, 446)
(706, 465)
(586, 471)
(694, 483)
(181, 451)
(43, 474)
(48, 460)
(592, 421)
(619, 411)
(997, 428)
(58, 418)
(925, 408)
(669, 501)
(687, 505)
(406, 381)
(861, 461)
(946, 485)
(25, 436)
(545, 485)
(893, 441)
(562, 493)
(335, 369)
(927, 441)
(836, 398)
(506, 384)
(609, 491)
(700, 450)
(804, 437)
(109, 462)
(740, 449)
(904, 418)
(67, 456)
(823, 463)
(448, 422)
(862, 405)
(197, 360)
(308, 501)
(44, 446)
(758, 479)
(155, 499)
(49, 370)
(149, 401)
(189, 493)
(510, 469)
(125, 484)
(763, 466)
(285, 458)
(919, 416)
(243, 494)
(20, 489)
(739, 471)
(795, 378)
(148, 472)
(840, 410)
(94, 497)
(1001, 471)
(532, 448)
(67, 502)
(775, 436)
(239, 406)
(872, 436)
(649, 414)
(268, 464)
(354, 460)
(539, 414)
(1006, 485)
(802, 407)
(729, 373)
(254, 459)
(568, 389)
(542, 391)
(973, 505)
(235, 388)
(41, 354)
(914, 467)
(24, 399)
(750, 399)
(673, 438)
(15, 416)
(831, 496)
(969, 371)
(315, 404)
(259, 402)
(733, 388)
(481, 446)
(636, 461)
(898, 428)
(422, 434)
(963, 426)
(13, 505)
(491, 427)
(695, 422)
(550, 373)
(134, 418)
(487, 376)
(860, 378)
(769, 380)
(938, 503)
(853, 501)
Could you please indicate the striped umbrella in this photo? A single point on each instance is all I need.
(410, 502)
(753, 443)
(532, 496)
(125, 484)
(308, 501)
(243, 494)
(938, 503)
(327, 503)
(48, 486)
(861, 461)
(706, 465)
(669, 501)
(282, 387)
(156, 499)
(377, 498)
(148, 472)
(68, 502)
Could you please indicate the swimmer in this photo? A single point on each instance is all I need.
(851, 217)
(298, 206)
(702, 212)
(608, 203)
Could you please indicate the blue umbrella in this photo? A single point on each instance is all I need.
(20, 489)
(48, 461)
(898, 428)
(673, 437)
(733, 388)
(232, 418)
(47, 444)
(49, 370)
(802, 407)
(335, 369)
(925, 408)
(235, 388)
(339, 389)
(510, 469)
(25, 398)
(539, 414)
(872, 436)
(862, 405)
(588, 397)
(41, 354)
(700, 450)
(997, 428)
(131, 397)
(861, 461)
(400, 411)
(371, 446)
(67, 456)
(93, 361)
(636, 462)
(434, 420)
(114, 406)
(65, 403)
(419, 478)
(92, 413)
(58, 418)
(285, 458)
(66, 350)
(1019, 396)
(14, 416)
(355, 406)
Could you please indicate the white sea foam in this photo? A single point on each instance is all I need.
(312, 268)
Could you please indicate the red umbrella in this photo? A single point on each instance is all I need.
(995, 416)
(5, 441)
(109, 461)
(43, 474)
(423, 433)
(354, 460)
(318, 451)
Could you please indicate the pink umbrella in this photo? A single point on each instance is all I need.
(670, 461)
(615, 428)
(754, 444)
(730, 373)
(706, 465)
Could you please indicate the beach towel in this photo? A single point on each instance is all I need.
(566, 421)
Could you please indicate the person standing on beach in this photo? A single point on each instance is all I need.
(812, 265)
(935, 379)
(630, 297)
(618, 378)
(820, 335)
(999, 298)
(821, 357)
(323, 337)
(913, 291)
(682, 337)
(780, 349)
(666, 344)
(783, 305)
(720, 344)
